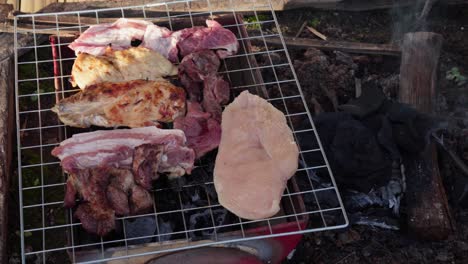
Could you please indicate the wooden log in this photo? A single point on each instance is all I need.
(6, 130)
(7, 113)
(5, 9)
(428, 213)
(345, 46)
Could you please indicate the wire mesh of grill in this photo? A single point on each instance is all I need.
(186, 212)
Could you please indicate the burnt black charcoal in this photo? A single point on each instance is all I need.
(410, 128)
(194, 196)
(164, 228)
(353, 151)
(219, 216)
(377, 218)
(166, 200)
(199, 219)
(357, 201)
(386, 139)
(138, 227)
(369, 102)
(171, 226)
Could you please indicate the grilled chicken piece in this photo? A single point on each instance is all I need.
(133, 104)
(256, 157)
(118, 66)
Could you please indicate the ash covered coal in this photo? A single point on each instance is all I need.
(140, 227)
(364, 144)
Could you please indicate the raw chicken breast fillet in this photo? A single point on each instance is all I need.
(256, 157)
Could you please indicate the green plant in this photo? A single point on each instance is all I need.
(455, 76)
(35, 97)
(314, 22)
(255, 21)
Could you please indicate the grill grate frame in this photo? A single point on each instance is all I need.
(274, 79)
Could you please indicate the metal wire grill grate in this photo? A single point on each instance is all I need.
(186, 213)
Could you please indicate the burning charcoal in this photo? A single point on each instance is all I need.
(166, 200)
(387, 196)
(194, 197)
(385, 138)
(353, 151)
(165, 228)
(200, 219)
(376, 221)
(316, 180)
(327, 199)
(410, 128)
(203, 219)
(357, 201)
(219, 216)
(370, 100)
(141, 226)
(210, 189)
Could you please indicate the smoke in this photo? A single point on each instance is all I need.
(410, 18)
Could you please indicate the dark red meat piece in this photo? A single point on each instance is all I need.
(215, 93)
(213, 37)
(194, 68)
(202, 131)
(146, 160)
(105, 192)
(95, 220)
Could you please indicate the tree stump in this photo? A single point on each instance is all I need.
(429, 215)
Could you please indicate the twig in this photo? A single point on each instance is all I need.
(316, 33)
(301, 29)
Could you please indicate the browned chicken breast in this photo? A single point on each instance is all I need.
(118, 66)
(133, 104)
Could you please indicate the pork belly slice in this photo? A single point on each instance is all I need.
(119, 66)
(118, 149)
(190, 40)
(202, 131)
(256, 157)
(117, 35)
(133, 104)
(160, 40)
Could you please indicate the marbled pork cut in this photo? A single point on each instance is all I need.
(117, 35)
(256, 157)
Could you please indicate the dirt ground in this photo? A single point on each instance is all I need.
(363, 244)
